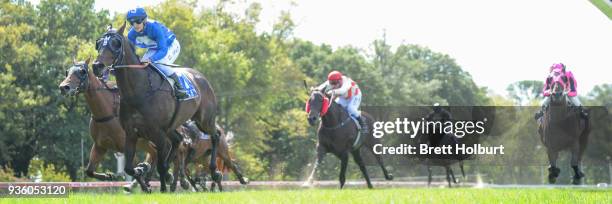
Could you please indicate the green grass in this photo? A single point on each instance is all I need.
(604, 7)
(421, 195)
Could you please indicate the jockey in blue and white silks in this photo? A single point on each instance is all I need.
(160, 42)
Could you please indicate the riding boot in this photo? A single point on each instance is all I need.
(181, 93)
(583, 113)
(364, 125)
(540, 113)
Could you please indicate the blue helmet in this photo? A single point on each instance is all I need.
(137, 13)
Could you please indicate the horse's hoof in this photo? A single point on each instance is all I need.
(577, 181)
(127, 188)
(169, 178)
(173, 188)
(184, 184)
(216, 177)
(147, 190)
(389, 177)
(109, 177)
(244, 181)
(552, 179)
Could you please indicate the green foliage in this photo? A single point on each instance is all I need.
(525, 91)
(48, 172)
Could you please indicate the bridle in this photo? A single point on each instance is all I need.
(118, 52)
(83, 78)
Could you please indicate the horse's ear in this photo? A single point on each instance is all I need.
(87, 60)
(121, 29)
(74, 61)
(109, 27)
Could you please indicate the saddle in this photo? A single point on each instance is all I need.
(182, 78)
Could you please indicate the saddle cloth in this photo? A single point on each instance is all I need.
(182, 78)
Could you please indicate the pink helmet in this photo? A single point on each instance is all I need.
(557, 66)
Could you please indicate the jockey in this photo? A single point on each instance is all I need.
(572, 94)
(349, 95)
(439, 113)
(162, 45)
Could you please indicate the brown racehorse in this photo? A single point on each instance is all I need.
(149, 107)
(104, 127)
(197, 151)
(562, 128)
(337, 134)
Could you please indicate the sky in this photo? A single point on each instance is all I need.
(497, 42)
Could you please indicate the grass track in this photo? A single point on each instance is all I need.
(420, 195)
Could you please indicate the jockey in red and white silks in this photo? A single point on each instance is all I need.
(348, 95)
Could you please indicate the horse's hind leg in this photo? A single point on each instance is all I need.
(576, 159)
(227, 160)
(553, 170)
(209, 128)
(364, 171)
(96, 154)
(379, 160)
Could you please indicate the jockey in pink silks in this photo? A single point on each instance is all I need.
(572, 95)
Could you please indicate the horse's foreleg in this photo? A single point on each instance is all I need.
(343, 164)
(553, 170)
(576, 160)
(429, 175)
(130, 150)
(379, 160)
(448, 173)
(364, 171)
(95, 156)
(320, 156)
(450, 169)
(175, 172)
(163, 155)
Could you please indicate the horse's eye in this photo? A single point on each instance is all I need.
(82, 72)
(115, 43)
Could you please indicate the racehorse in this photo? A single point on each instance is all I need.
(562, 128)
(104, 127)
(436, 138)
(197, 151)
(149, 107)
(444, 161)
(339, 135)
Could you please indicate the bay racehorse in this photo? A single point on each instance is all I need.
(197, 151)
(104, 127)
(562, 128)
(338, 134)
(149, 106)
